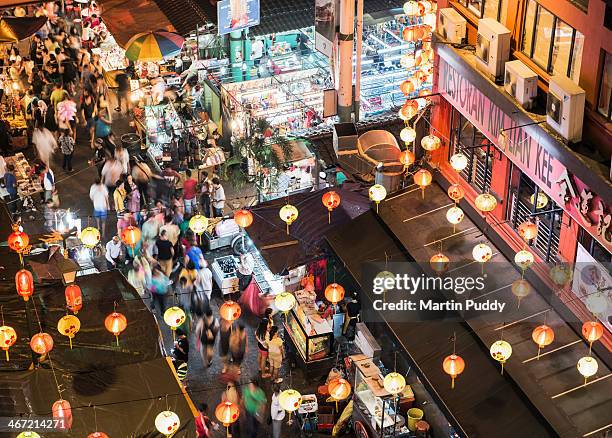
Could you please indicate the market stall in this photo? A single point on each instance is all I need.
(288, 101)
(297, 176)
(27, 184)
(310, 334)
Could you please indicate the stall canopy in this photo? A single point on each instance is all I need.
(14, 3)
(126, 18)
(128, 382)
(15, 29)
(303, 244)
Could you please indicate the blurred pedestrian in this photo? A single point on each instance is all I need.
(238, 346)
(276, 353)
(206, 331)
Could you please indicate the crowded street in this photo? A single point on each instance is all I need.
(250, 219)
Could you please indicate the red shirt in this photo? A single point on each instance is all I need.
(189, 188)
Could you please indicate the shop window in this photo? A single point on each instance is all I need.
(479, 150)
(595, 248)
(604, 104)
(528, 202)
(551, 43)
(495, 9)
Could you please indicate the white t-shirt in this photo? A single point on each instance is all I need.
(113, 250)
(98, 193)
(218, 198)
(276, 411)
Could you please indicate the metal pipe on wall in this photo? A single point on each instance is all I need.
(345, 44)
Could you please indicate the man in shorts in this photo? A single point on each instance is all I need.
(276, 353)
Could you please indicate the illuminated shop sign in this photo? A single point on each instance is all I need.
(584, 206)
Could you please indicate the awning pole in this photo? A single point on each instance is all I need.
(358, 62)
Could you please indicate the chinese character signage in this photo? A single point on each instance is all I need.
(587, 208)
(237, 15)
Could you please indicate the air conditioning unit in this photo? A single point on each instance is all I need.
(565, 107)
(451, 25)
(492, 47)
(521, 82)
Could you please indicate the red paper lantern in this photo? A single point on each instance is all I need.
(230, 311)
(63, 413)
(407, 158)
(453, 365)
(130, 236)
(18, 240)
(98, 435)
(528, 230)
(227, 413)
(41, 343)
(334, 293)
(409, 110)
(407, 87)
(592, 331)
(115, 323)
(331, 200)
(74, 298)
(456, 192)
(24, 282)
(243, 218)
(542, 335)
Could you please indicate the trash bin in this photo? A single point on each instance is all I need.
(131, 142)
(414, 416)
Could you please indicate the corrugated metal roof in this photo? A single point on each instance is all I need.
(185, 15)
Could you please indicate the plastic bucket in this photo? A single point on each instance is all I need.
(131, 142)
(414, 415)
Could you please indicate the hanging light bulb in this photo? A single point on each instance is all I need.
(458, 161)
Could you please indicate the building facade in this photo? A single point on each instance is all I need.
(514, 153)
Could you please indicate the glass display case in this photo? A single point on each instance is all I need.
(374, 406)
(312, 344)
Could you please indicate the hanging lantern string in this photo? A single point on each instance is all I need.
(59, 390)
(136, 400)
(2, 312)
(454, 341)
(36, 313)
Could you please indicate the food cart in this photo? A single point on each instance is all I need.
(310, 334)
(27, 185)
(375, 410)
